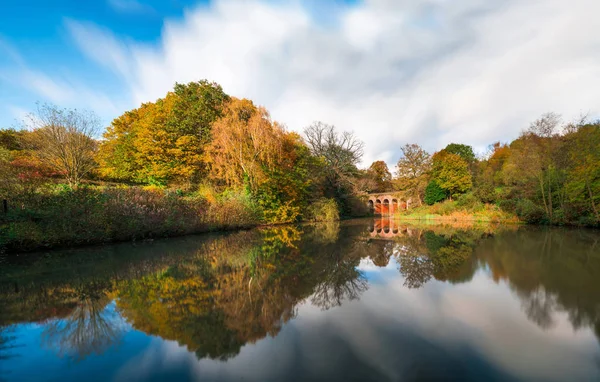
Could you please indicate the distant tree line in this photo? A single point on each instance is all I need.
(549, 174)
(202, 142)
(225, 159)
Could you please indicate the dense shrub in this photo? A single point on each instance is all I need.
(447, 207)
(323, 210)
(60, 216)
(508, 205)
(588, 221)
(529, 212)
(357, 208)
(467, 200)
(233, 210)
(485, 192)
(434, 193)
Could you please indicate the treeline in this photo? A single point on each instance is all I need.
(549, 175)
(199, 159)
(195, 160)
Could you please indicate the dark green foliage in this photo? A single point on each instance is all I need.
(530, 212)
(485, 192)
(434, 193)
(464, 151)
(197, 106)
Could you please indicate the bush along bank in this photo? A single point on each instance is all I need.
(65, 217)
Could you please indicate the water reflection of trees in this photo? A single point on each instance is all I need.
(217, 294)
(7, 347)
(7, 342)
(551, 271)
(211, 295)
(241, 289)
(90, 328)
(422, 254)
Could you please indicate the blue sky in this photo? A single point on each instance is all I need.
(33, 35)
(394, 72)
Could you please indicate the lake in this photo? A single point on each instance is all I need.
(362, 300)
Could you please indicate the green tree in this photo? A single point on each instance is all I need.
(434, 193)
(196, 107)
(451, 172)
(413, 170)
(583, 184)
(164, 141)
(464, 151)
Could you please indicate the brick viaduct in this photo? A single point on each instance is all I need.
(388, 202)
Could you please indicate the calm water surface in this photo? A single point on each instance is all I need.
(362, 300)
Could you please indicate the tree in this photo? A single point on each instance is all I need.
(414, 162)
(584, 166)
(338, 155)
(117, 156)
(64, 140)
(245, 144)
(197, 105)
(381, 175)
(451, 172)
(341, 151)
(464, 151)
(164, 155)
(546, 126)
(434, 193)
(532, 168)
(285, 194)
(11, 139)
(164, 141)
(413, 170)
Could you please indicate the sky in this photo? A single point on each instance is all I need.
(430, 72)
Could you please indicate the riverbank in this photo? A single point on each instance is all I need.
(452, 211)
(61, 217)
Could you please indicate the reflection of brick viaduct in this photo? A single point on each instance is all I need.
(385, 228)
(388, 203)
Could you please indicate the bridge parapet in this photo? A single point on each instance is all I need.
(387, 203)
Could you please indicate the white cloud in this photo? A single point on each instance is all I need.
(64, 92)
(395, 72)
(63, 88)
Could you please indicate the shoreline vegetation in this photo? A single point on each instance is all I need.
(61, 217)
(451, 211)
(200, 160)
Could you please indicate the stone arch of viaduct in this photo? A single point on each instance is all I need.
(388, 203)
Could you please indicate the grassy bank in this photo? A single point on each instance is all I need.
(453, 211)
(58, 216)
